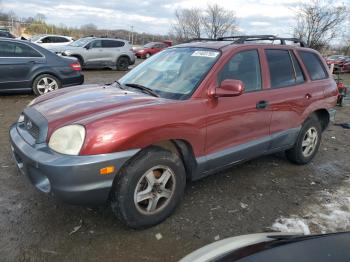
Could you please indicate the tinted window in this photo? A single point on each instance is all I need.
(313, 65)
(281, 68)
(48, 39)
(8, 49)
(59, 39)
(244, 66)
(112, 44)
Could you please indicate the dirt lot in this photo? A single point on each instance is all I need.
(245, 199)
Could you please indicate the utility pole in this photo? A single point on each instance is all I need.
(132, 35)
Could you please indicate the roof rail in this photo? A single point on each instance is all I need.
(241, 39)
(202, 39)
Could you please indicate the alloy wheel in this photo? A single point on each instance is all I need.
(309, 142)
(46, 84)
(154, 190)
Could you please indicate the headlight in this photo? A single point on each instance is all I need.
(67, 53)
(20, 119)
(68, 139)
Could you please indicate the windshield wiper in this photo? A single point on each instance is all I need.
(143, 88)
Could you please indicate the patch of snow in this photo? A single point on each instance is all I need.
(332, 215)
(291, 225)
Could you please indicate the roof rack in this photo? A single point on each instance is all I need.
(241, 39)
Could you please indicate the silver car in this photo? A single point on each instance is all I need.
(93, 52)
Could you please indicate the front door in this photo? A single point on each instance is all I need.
(238, 127)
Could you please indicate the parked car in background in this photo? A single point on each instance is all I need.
(342, 66)
(276, 247)
(337, 61)
(25, 66)
(183, 114)
(6, 34)
(49, 41)
(93, 52)
(150, 49)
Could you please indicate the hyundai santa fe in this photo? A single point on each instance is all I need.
(184, 113)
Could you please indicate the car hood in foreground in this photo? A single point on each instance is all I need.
(87, 102)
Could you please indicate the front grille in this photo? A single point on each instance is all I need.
(31, 127)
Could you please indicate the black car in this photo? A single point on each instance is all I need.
(6, 34)
(25, 66)
(276, 247)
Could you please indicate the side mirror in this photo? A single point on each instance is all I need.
(227, 88)
(39, 42)
(87, 47)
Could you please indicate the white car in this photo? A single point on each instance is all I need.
(49, 41)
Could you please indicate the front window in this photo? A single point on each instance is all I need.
(174, 73)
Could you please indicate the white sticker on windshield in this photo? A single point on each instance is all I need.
(202, 53)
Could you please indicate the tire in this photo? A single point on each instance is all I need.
(123, 63)
(45, 83)
(80, 60)
(147, 55)
(307, 143)
(133, 182)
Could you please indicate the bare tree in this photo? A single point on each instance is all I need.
(188, 23)
(218, 21)
(39, 17)
(319, 21)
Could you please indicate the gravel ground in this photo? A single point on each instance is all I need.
(244, 199)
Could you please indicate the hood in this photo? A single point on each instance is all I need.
(81, 104)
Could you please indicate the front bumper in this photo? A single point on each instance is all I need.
(73, 179)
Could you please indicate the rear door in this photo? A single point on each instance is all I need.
(290, 94)
(17, 61)
(238, 127)
(112, 49)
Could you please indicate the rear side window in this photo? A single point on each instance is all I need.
(284, 68)
(244, 66)
(59, 39)
(112, 44)
(8, 49)
(313, 65)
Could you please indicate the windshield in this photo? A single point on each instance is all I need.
(174, 73)
(81, 42)
(35, 38)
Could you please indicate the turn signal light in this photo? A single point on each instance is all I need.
(107, 170)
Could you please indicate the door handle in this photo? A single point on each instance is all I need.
(262, 104)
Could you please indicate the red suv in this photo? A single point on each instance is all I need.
(183, 114)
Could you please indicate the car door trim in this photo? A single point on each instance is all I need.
(228, 157)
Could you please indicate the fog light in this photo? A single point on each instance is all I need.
(107, 170)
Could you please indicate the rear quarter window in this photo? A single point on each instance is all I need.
(313, 65)
(112, 44)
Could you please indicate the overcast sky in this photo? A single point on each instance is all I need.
(156, 16)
